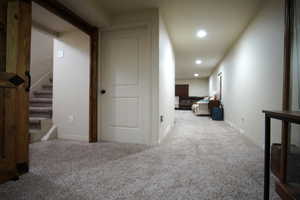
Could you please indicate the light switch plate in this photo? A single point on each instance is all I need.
(60, 53)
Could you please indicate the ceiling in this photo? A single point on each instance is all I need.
(224, 20)
(43, 19)
(90, 10)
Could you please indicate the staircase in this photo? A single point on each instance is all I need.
(40, 112)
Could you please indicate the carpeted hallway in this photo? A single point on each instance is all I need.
(200, 160)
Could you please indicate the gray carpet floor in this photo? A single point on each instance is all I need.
(200, 160)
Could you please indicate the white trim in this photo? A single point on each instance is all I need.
(242, 131)
(51, 134)
(166, 133)
(37, 85)
(75, 137)
(155, 82)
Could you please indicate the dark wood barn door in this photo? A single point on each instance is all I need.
(15, 33)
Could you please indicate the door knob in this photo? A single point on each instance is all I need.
(103, 91)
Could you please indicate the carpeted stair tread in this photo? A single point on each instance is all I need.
(47, 86)
(35, 119)
(43, 92)
(35, 125)
(42, 112)
(34, 131)
(40, 109)
(41, 100)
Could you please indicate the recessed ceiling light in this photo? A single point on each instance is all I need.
(198, 62)
(201, 33)
(196, 75)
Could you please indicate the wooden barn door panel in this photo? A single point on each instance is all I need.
(15, 33)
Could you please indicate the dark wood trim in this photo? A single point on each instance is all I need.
(22, 52)
(290, 116)
(62, 11)
(288, 35)
(289, 12)
(94, 86)
(267, 158)
(221, 86)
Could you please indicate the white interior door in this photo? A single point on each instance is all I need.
(126, 79)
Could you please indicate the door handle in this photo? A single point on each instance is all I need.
(103, 91)
(27, 73)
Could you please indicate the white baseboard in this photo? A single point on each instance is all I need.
(67, 134)
(72, 137)
(166, 132)
(242, 132)
(235, 127)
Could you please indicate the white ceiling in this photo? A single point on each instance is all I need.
(224, 21)
(89, 10)
(45, 19)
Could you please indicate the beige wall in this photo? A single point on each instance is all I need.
(197, 87)
(253, 74)
(166, 81)
(71, 78)
(41, 62)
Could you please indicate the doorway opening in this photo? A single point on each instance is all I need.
(60, 77)
(68, 54)
(191, 94)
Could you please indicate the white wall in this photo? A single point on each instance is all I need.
(71, 78)
(41, 55)
(253, 74)
(166, 81)
(197, 87)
